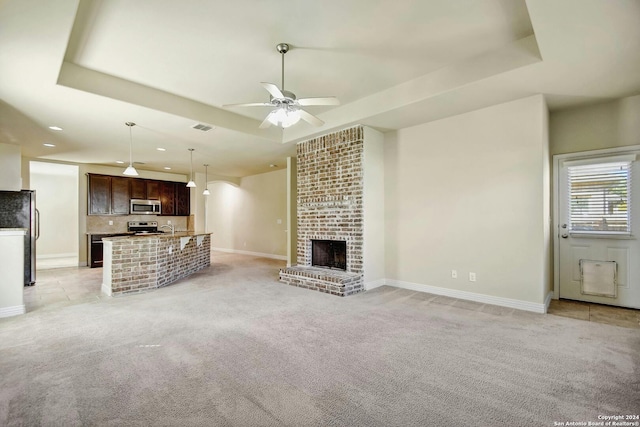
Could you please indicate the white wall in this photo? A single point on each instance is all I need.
(244, 218)
(10, 167)
(373, 206)
(468, 193)
(608, 125)
(292, 211)
(11, 272)
(56, 189)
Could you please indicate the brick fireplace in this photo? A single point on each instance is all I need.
(331, 200)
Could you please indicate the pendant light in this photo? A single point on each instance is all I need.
(206, 185)
(191, 183)
(130, 170)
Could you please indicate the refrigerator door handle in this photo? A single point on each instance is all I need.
(37, 224)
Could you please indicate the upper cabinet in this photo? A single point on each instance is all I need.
(168, 197)
(110, 195)
(120, 195)
(139, 189)
(99, 195)
(183, 199)
(153, 190)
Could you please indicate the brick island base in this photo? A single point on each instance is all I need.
(139, 263)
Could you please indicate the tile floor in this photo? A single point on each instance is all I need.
(626, 317)
(64, 286)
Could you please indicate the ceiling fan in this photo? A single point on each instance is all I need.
(287, 108)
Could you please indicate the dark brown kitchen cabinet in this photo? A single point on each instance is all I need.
(99, 195)
(153, 190)
(120, 195)
(139, 189)
(183, 199)
(111, 195)
(168, 197)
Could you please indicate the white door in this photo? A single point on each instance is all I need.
(599, 229)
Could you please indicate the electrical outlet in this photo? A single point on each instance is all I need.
(472, 277)
(279, 221)
(454, 274)
(110, 222)
(168, 222)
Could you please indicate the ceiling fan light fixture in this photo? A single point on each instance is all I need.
(130, 170)
(284, 116)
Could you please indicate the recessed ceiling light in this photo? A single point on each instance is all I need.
(167, 168)
(161, 149)
(55, 128)
(48, 144)
(120, 162)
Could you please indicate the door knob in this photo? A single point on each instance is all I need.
(564, 236)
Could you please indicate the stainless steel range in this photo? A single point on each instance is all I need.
(143, 227)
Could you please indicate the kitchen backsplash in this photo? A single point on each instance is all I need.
(100, 224)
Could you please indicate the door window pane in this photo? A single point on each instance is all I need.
(599, 198)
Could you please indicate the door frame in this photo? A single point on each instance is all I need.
(557, 159)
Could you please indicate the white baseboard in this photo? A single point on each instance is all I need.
(53, 256)
(12, 311)
(547, 301)
(374, 284)
(470, 296)
(106, 289)
(258, 254)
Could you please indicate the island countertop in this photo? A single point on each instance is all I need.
(158, 234)
(140, 262)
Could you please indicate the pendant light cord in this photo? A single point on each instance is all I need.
(130, 146)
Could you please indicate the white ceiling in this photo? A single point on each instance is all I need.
(90, 66)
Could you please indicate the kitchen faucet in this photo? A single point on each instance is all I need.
(170, 227)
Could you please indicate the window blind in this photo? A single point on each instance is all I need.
(599, 198)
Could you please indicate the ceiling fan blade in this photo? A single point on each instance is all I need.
(273, 90)
(266, 123)
(251, 104)
(310, 118)
(327, 100)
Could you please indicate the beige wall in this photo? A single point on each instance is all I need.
(244, 217)
(470, 193)
(607, 125)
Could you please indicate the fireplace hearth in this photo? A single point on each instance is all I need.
(329, 254)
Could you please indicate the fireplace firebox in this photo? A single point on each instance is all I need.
(329, 254)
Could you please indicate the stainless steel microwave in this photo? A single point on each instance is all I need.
(145, 207)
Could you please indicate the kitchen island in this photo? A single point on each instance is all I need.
(142, 262)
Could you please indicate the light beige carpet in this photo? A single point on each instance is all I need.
(231, 346)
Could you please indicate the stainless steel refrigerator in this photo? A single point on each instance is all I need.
(18, 210)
